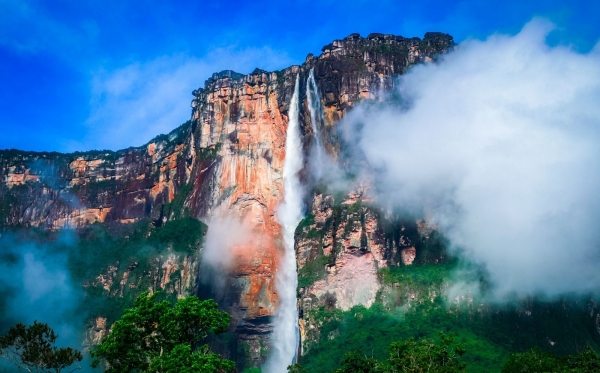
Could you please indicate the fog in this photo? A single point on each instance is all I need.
(36, 285)
(499, 144)
(224, 234)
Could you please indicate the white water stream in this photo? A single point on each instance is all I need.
(286, 336)
(316, 117)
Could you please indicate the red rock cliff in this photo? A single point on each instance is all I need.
(225, 162)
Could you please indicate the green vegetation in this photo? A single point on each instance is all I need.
(226, 193)
(94, 189)
(252, 370)
(312, 271)
(175, 209)
(489, 333)
(435, 355)
(162, 337)
(32, 348)
(296, 368)
(414, 276)
(184, 235)
(394, 50)
(174, 137)
(425, 355)
(209, 152)
(7, 201)
(139, 248)
(355, 362)
(305, 223)
(535, 360)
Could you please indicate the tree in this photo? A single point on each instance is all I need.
(160, 337)
(537, 361)
(355, 362)
(587, 361)
(32, 348)
(532, 361)
(425, 355)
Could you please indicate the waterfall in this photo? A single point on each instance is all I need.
(285, 336)
(316, 116)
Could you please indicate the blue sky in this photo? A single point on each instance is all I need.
(79, 75)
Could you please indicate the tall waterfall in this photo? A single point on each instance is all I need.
(285, 337)
(316, 116)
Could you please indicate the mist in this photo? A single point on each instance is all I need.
(36, 285)
(498, 144)
(224, 234)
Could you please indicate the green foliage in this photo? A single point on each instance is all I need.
(94, 189)
(312, 271)
(9, 199)
(533, 361)
(174, 209)
(226, 193)
(185, 235)
(32, 348)
(138, 247)
(415, 276)
(174, 137)
(425, 355)
(433, 249)
(355, 362)
(587, 361)
(537, 361)
(97, 248)
(305, 223)
(489, 333)
(161, 337)
(252, 370)
(296, 368)
(182, 359)
(370, 332)
(209, 153)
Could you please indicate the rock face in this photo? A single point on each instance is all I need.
(227, 162)
(53, 190)
(341, 246)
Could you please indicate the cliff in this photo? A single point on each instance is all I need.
(226, 162)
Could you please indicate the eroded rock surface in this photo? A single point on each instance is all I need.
(227, 162)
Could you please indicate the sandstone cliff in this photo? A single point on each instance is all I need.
(227, 162)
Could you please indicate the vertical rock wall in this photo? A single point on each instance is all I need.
(227, 162)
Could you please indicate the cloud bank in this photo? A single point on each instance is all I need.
(500, 143)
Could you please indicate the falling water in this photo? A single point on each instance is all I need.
(285, 337)
(316, 115)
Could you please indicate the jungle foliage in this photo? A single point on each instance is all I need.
(489, 333)
(162, 337)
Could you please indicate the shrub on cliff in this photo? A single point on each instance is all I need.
(160, 337)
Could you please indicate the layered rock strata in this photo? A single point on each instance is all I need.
(226, 162)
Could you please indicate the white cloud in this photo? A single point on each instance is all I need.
(501, 142)
(133, 104)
